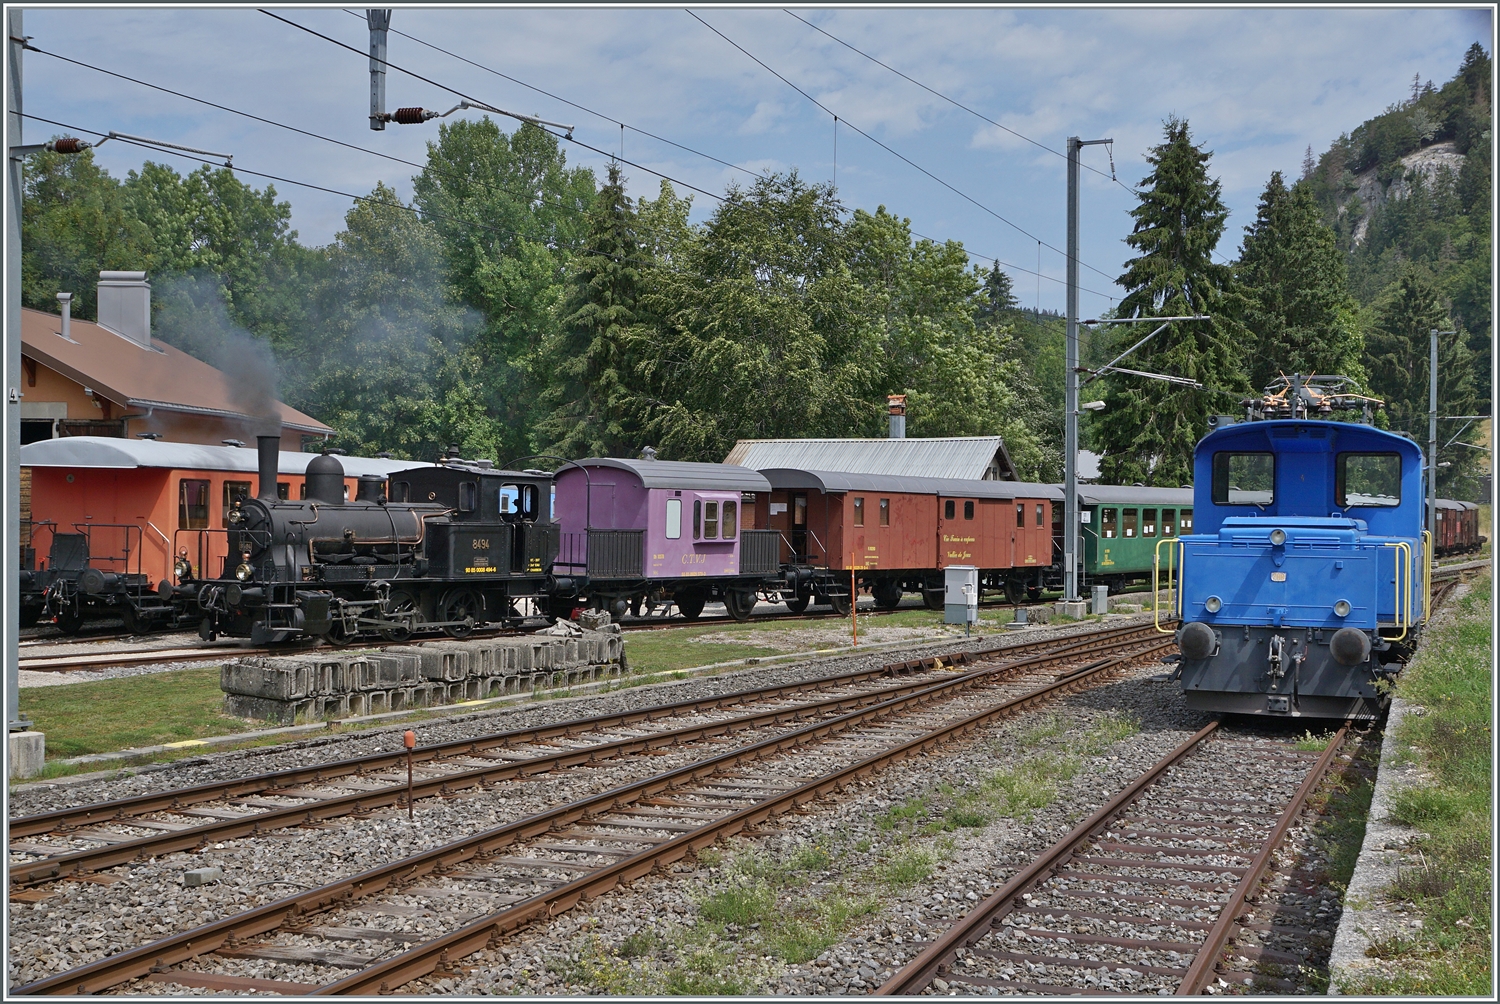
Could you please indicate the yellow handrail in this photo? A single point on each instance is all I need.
(1176, 603)
(1402, 622)
(1427, 556)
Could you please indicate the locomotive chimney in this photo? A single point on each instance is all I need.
(897, 403)
(268, 450)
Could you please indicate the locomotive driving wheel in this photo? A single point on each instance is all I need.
(70, 618)
(402, 606)
(462, 605)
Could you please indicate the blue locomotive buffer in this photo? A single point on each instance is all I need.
(1304, 588)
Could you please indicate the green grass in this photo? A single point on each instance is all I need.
(1451, 884)
(906, 867)
(82, 718)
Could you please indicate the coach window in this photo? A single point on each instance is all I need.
(674, 519)
(1021, 515)
(1244, 479)
(1148, 522)
(697, 519)
(799, 511)
(283, 490)
(1368, 479)
(948, 509)
(859, 512)
(710, 521)
(1168, 523)
(885, 512)
(731, 520)
(234, 491)
(1128, 522)
(192, 504)
(1186, 529)
(1041, 513)
(1109, 521)
(968, 510)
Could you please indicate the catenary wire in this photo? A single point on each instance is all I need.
(605, 153)
(908, 161)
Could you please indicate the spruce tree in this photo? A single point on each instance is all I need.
(590, 397)
(998, 296)
(1399, 349)
(1294, 281)
(1149, 428)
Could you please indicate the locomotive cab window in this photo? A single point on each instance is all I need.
(510, 500)
(674, 519)
(400, 491)
(885, 512)
(1128, 522)
(468, 496)
(730, 525)
(192, 504)
(1168, 523)
(1244, 479)
(949, 509)
(710, 521)
(1148, 522)
(234, 491)
(968, 510)
(1368, 479)
(859, 512)
(1109, 522)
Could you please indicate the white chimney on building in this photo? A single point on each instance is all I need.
(65, 300)
(125, 305)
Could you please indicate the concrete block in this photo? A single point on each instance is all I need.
(202, 876)
(260, 708)
(1076, 609)
(272, 679)
(444, 661)
(593, 620)
(28, 753)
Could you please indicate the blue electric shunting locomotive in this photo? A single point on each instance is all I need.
(1303, 587)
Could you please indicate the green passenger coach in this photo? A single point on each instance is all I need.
(1121, 527)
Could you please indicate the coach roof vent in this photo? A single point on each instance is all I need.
(125, 305)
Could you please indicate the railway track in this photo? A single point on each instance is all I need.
(548, 862)
(1144, 896)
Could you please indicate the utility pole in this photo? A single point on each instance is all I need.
(1432, 447)
(1070, 441)
(10, 553)
(380, 23)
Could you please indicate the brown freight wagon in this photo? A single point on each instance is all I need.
(897, 534)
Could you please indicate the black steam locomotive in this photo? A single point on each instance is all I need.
(453, 547)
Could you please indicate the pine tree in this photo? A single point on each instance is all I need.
(1149, 428)
(590, 398)
(998, 296)
(1309, 165)
(1399, 349)
(1294, 281)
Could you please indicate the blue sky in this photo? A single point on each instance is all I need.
(1257, 85)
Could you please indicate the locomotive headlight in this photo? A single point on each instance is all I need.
(183, 569)
(1342, 608)
(1213, 604)
(244, 572)
(1278, 537)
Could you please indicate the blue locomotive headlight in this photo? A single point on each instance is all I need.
(1342, 608)
(1278, 537)
(244, 572)
(1213, 604)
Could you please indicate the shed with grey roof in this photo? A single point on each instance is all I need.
(978, 458)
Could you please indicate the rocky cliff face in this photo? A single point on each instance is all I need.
(1373, 193)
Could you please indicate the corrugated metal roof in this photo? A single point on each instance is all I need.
(1118, 495)
(965, 457)
(785, 478)
(105, 451)
(677, 474)
(1453, 504)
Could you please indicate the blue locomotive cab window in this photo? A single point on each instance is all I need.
(1244, 479)
(1369, 479)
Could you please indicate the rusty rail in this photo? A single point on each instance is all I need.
(154, 957)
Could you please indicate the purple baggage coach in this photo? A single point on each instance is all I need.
(635, 525)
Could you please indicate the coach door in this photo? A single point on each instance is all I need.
(958, 532)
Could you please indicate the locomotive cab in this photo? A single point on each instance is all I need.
(498, 522)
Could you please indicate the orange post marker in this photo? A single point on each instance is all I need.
(410, 740)
(853, 605)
